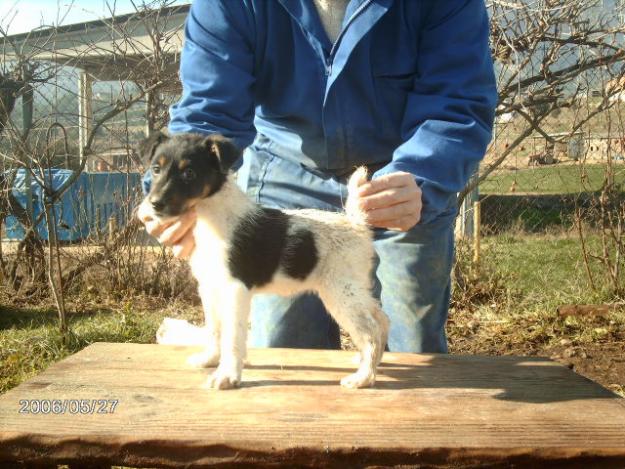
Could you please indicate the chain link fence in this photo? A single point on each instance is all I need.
(79, 98)
(75, 102)
(551, 187)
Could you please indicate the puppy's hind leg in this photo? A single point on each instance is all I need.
(210, 355)
(359, 314)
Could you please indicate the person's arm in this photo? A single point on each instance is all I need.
(449, 113)
(216, 71)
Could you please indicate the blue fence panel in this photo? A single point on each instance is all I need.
(86, 206)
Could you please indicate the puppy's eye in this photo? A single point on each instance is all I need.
(188, 175)
(156, 169)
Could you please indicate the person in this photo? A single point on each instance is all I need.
(310, 89)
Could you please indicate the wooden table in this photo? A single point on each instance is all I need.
(425, 409)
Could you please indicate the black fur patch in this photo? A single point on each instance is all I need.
(260, 245)
(300, 254)
(257, 244)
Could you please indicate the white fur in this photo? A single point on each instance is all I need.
(342, 279)
(180, 332)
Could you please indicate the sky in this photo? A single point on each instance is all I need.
(19, 16)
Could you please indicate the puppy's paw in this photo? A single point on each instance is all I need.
(224, 379)
(203, 359)
(358, 380)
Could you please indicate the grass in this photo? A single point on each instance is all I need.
(30, 340)
(546, 270)
(506, 306)
(555, 179)
(510, 306)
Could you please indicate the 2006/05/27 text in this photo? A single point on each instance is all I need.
(63, 406)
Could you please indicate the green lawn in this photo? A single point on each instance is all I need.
(511, 300)
(542, 272)
(555, 179)
(30, 341)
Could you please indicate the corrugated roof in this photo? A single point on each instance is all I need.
(120, 47)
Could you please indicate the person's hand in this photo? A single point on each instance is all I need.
(392, 201)
(175, 232)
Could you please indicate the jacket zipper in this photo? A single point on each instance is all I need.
(330, 57)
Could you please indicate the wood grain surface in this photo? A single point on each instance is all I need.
(425, 409)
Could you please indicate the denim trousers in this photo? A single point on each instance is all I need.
(411, 273)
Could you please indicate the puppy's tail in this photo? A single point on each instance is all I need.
(354, 213)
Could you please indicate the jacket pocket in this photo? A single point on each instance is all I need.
(391, 98)
(404, 81)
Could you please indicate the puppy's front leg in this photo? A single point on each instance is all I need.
(234, 313)
(210, 355)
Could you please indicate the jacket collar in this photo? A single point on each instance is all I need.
(360, 16)
(304, 13)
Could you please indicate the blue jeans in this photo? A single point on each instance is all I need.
(412, 274)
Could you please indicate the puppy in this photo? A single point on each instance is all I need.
(243, 249)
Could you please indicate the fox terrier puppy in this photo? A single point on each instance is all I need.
(242, 249)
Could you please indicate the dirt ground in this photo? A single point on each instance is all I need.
(603, 363)
(601, 360)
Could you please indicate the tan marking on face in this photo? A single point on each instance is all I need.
(191, 203)
(183, 164)
(162, 160)
(205, 191)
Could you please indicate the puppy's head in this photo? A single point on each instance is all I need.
(185, 169)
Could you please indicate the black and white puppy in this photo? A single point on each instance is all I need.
(243, 249)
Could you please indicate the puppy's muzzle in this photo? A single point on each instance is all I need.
(158, 204)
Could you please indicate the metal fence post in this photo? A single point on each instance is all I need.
(465, 222)
(85, 112)
(27, 123)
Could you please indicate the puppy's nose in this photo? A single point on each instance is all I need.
(157, 204)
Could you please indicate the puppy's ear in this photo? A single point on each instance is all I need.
(226, 152)
(148, 146)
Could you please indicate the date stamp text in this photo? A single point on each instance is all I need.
(67, 406)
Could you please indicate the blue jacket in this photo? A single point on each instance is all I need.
(407, 86)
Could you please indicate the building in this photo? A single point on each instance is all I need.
(141, 48)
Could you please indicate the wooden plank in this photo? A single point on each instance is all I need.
(430, 409)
